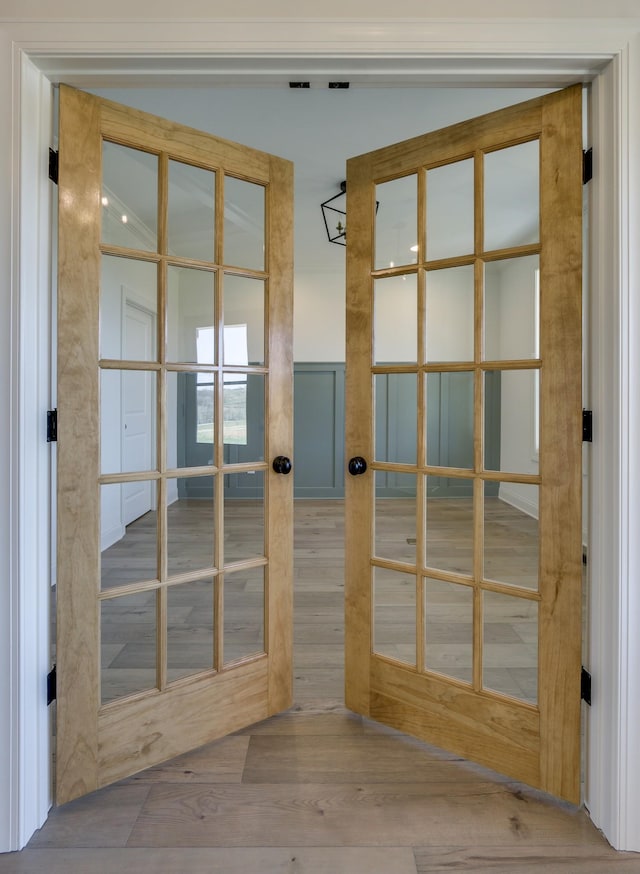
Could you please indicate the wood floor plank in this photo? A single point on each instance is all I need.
(347, 760)
(101, 819)
(309, 721)
(313, 655)
(389, 814)
(526, 860)
(318, 684)
(345, 795)
(220, 762)
(277, 860)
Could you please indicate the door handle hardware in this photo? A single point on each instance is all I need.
(357, 465)
(282, 464)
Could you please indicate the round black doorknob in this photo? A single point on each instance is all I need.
(357, 465)
(282, 464)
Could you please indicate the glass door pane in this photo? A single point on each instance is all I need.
(169, 411)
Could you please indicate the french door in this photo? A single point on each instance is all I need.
(463, 556)
(174, 627)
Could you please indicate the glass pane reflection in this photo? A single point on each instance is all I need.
(394, 615)
(396, 406)
(449, 629)
(395, 314)
(450, 408)
(511, 536)
(512, 309)
(128, 309)
(450, 314)
(450, 212)
(243, 410)
(511, 420)
(190, 524)
(449, 523)
(243, 321)
(190, 628)
(244, 516)
(129, 197)
(127, 645)
(510, 647)
(128, 533)
(190, 419)
(395, 516)
(127, 421)
(191, 334)
(191, 212)
(244, 223)
(396, 236)
(244, 613)
(512, 196)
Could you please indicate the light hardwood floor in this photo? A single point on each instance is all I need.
(317, 790)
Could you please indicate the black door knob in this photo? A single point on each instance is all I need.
(282, 464)
(357, 465)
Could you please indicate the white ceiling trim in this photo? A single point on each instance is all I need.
(186, 71)
(368, 51)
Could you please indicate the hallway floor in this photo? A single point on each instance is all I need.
(317, 790)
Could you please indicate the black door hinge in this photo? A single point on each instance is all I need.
(53, 166)
(587, 166)
(52, 426)
(587, 426)
(52, 685)
(585, 686)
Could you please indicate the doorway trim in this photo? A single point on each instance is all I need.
(34, 54)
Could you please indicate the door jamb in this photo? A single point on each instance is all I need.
(613, 780)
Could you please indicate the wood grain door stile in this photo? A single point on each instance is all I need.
(98, 743)
(536, 742)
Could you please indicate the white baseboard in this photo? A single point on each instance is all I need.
(512, 497)
(111, 536)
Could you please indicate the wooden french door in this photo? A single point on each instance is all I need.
(176, 628)
(464, 558)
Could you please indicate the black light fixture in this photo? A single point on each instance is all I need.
(335, 219)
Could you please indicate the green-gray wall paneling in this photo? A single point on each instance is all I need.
(318, 430)
(319, 460)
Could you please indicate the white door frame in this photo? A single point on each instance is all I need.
(489, 52)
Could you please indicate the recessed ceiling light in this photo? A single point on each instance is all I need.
(124, 219)
(105, 201)
(414, 248)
